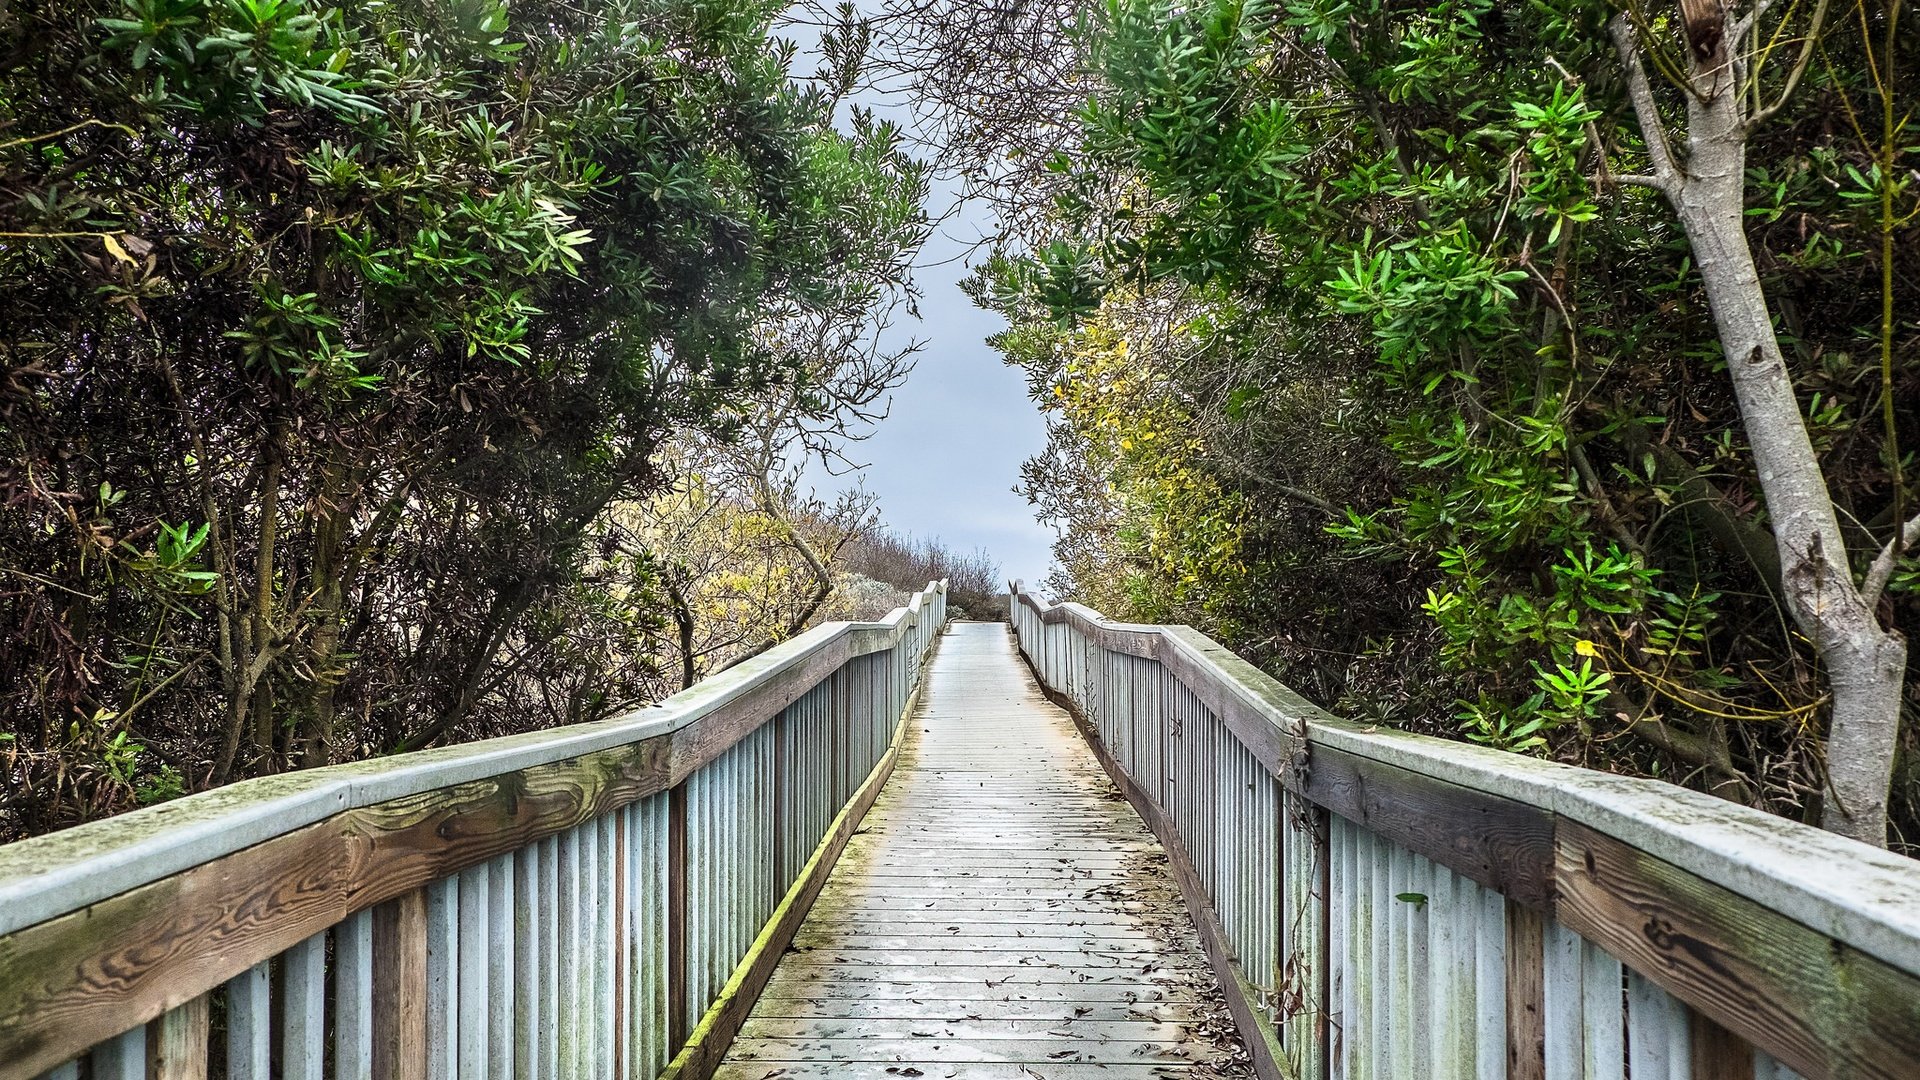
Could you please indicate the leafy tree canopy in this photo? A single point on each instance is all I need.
(330, 329)
(1370, 343)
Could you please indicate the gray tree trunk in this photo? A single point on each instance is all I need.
(1865, 663)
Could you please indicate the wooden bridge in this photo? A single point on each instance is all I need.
(1078, 849)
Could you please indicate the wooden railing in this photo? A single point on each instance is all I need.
(1386, 906)
(601, 900)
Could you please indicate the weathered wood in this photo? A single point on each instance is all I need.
(1866, 898)
(303, 1010)
(62, 873)
(443, 979)
(250, 1024)
(679, 1019)
(1814, 1003)
(1526, 993)
(1719, 1054)
(400, 988)
(1255, 1030)
(1658, 1036)
(473, 952)
(619, 903)
(987, 768)
(553, 997)
(177, 1042)
(881, 1069)
(529, 921)
(72, 981)
(1501, 843)
(937, 1051)
(353, 1022)
(714, 1036)
(501, 957)
(122, 1058)
(569, 1015)
(1489, 1005)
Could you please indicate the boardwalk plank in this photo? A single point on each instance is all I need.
(1002, 913)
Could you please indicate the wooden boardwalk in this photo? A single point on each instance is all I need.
(1002, 913)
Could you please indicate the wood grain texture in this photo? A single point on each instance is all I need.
(62, 873)
(1501, 843)
(73, 981)
(400, 988)
(177, 1043)
(1256, 1031)
(1526, 993)
(1815, 1004)
(679, 1023)
(1865, 897)
(711, 1040)
(1716, 1053)
(1077, 958)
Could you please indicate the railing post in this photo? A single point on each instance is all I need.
(1526, 993)
(400, 988)
(177, 1043)
(679, 1024)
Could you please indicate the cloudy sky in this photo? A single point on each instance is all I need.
(945, 460)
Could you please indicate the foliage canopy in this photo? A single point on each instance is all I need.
(331, 329)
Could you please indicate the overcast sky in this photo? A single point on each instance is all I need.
(945, 460)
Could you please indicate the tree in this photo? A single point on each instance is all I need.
(331, 330)
(1384, 259)
(1726, 96)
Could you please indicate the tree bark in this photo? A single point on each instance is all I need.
(683, 622)
(263, 574)
(1865, 663)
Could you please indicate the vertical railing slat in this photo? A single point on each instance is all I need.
(569, 1015)
(1449, 984)
(606, 1041)
(250, 1025)
(122, 1058)
(1339, 909)
(303, 1010)
(1563, 1003)
(177, 1042)
(552, 941)
(1657, 1047)
(1489, 1007)
(443, 979)
(353, 998)
(502, 952)
(473, 1008)
(529, 918)
(1601, 1007)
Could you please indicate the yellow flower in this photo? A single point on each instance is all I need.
(1586, 648)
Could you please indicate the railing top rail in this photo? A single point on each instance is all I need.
(1854, 893)
(48, 876)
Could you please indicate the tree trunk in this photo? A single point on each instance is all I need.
(1865, 663)
(263, 571)
(683, 622)
(329, 610)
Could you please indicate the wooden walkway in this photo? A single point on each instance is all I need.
(1003, 913)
